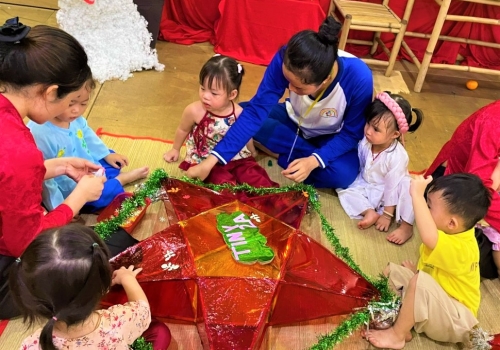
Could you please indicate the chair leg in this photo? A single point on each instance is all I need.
(345, 31)
(375, 43)
(395, 48)
(429, 51)
(331, 10)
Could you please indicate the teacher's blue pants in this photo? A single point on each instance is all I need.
(278, 134)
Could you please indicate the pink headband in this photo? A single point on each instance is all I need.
(395, 109)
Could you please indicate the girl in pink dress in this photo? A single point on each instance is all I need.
(205, 122)
(61, 277)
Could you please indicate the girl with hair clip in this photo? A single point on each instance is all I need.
(42, 70)
(315, 133)
(61, 277)
(205, 123)
(381, 192)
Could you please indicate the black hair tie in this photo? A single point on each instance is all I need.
(13, 31)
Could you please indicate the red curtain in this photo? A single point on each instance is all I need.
(253, 30)
(189, 21)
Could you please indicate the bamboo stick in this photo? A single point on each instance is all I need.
(465, 68)
(395, 48)
(457, 18)
(411, 54)
(384, 48)
(359, 42)
(345, 31)
(375, 43)
(436, 31)
(375, 29)
(485, 2)
(455, 39)
(375, 62)
(364, 23)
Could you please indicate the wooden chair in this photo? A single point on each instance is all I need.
(443, 16)
(375, 18)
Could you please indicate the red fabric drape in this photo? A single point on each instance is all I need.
(252, 30)
(189, 21)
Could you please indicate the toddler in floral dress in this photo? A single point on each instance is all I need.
(205, 122)
(61, 277)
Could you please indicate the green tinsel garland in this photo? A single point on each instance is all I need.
(107, 227)
(141, 344)
(328, 341)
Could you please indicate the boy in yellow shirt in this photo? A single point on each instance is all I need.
(441, 293)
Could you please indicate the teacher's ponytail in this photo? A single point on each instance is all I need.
(310, 55)
(328, 32)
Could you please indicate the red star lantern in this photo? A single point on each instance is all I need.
(495, 342)
(213, 267)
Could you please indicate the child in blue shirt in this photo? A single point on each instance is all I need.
(68, 135)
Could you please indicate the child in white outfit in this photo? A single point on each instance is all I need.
(381, 192)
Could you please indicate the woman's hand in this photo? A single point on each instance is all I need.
(90, 187)
(299, 169)
(116, 160)
(73, 167)
(76, 168)
(202, 170)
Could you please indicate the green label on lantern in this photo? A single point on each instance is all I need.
(244, 239)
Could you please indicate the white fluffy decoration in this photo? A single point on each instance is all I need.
(114, 35)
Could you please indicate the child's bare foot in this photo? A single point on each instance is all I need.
(401, 234)
(370, 217)
(386, 339)
(133, 175)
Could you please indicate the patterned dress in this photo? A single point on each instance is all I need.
(241, 169)
(119, 326)
(206, 135)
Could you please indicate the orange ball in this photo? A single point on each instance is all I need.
(472, 85)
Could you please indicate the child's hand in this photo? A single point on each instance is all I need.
(122, 274)
(171, 156)
(90, 187)
(116, 160)
(383, 223)
(200, 171)
(409, 265)
(418, 185)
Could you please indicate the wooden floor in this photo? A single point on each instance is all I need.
(150, 103)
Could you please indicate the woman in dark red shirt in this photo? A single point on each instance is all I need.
(41, 71)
